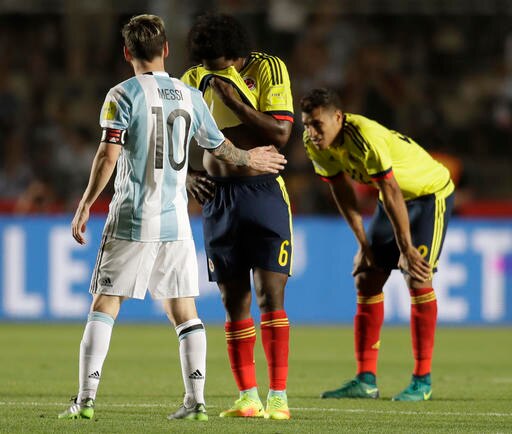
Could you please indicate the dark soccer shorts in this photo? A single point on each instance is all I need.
(428, 219)
(246, 225)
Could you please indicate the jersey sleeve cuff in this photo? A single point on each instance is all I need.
(281, 115)
(385, 174)
(208, 148)
(332, 178)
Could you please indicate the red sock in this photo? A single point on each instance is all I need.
(367, 324)
(423, 328)
(275, 334)
(240, 338)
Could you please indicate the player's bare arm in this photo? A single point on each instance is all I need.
(346, 201)
(277, 132)
(262, 158)
(411, 262)
(102, 168)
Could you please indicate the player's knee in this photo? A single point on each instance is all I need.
(109, 304)
(270, 301)
(180, 310)
(236, 302)
(367, 284)
(417, 284)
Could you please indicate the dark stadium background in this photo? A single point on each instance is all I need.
(438, 71)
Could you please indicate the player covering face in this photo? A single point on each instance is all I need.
(246, 216)
(148, 124)
(406, 232)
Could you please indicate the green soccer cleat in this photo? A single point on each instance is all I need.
(277, 408)
(355, 388)
(82, 410)
(245, 406)
(420, 389)
(197, 412)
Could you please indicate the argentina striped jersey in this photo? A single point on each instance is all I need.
(160, 116)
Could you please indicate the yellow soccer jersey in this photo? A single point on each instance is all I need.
(263, 84)
(370, 152)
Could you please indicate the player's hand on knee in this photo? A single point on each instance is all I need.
(363, 260)
(412, 263)
(200, 187)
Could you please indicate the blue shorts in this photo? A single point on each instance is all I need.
(428, 219)
(246, 225)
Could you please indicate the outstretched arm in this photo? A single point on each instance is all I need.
(262, 158)
(411, 262)
(101, 171)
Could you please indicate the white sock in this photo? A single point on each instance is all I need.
(192, 337)
(93, 350)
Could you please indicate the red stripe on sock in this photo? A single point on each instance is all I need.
(275, 335)
(367, 325)
(241, 353)
(423, 327)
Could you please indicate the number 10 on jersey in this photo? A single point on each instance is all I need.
(158, 134)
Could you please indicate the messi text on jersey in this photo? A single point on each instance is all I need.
(170, 94)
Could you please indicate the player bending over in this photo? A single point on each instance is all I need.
(406, 231)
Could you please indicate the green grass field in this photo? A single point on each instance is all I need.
(142, 383)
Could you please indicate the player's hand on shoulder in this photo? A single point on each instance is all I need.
(412, 263)
(266, 159)
(200, 187)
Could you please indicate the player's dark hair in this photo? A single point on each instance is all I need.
(144, 36)
(217, 35)
(320, 97)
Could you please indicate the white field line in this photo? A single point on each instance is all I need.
(314, 409)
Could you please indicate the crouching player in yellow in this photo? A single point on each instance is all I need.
(407, 231)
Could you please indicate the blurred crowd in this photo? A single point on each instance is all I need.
(444, 80)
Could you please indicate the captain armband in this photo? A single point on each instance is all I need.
(114, 136)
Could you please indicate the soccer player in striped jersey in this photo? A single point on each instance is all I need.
(246, 216)
(148, 123)
(407, 231)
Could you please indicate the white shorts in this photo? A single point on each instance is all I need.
(168, 269)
